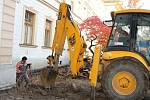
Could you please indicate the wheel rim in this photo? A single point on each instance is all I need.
(124, 83)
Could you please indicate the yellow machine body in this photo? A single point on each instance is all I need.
(119, 54)
(109, 55)
(125, 64)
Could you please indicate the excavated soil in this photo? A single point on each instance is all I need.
(58, 93)
(65, 88)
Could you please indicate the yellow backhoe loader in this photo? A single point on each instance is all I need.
(125, 62)
(126, 59)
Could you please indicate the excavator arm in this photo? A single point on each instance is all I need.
(67, 28)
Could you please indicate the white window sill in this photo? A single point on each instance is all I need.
(28, 45)
(46, 47)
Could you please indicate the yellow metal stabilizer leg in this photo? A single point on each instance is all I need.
(95, 66)
(94, 71)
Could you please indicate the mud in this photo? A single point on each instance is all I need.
(65, 88)
(62, 91)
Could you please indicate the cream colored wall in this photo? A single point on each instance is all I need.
(88, 8)
(1, 9)
(7, 30)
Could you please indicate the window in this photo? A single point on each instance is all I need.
(29, 28)
(47, 39)
(121, 31)
(131, 31)
(143, 35)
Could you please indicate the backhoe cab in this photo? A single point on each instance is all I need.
(126, 59)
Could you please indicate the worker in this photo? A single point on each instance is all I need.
(21, 69)
(122, 36)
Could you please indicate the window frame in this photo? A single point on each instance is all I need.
(51, 31)
(33, 44)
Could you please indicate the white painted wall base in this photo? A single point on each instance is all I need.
(7, 76)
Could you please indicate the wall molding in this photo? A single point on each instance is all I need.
(49, 5)
(56, 9)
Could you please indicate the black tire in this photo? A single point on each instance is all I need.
(129, 66)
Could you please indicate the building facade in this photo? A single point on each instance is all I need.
(7, 17)
(110, 5)
(27, 28)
